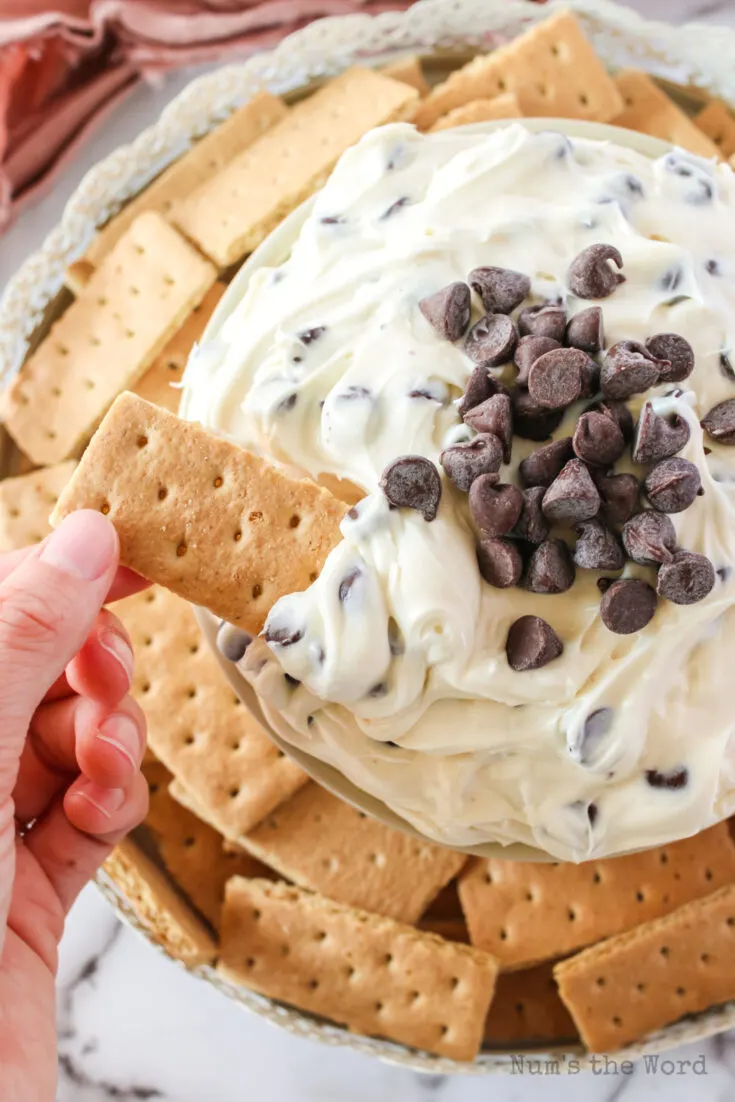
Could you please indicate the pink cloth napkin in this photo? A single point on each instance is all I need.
(65, 66)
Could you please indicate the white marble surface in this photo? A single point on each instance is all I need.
(133, 1026)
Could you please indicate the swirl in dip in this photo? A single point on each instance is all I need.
(399, 677)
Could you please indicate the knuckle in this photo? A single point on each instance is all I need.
(29, 619)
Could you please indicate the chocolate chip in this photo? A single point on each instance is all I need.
(627, 606)
(501, 289)
(550, 568)
(620, 414)
(628, 368)
(595, 729)
(354, 393)
(333, 220)
(463, 463)
(492, 340)
(494, 508)
(672, 485)
(678, 352)
(448, 310)
(308, 336)
(726, 366)
(590, 378)
(659, 437)
(432, 392)
(675, 778)
(347, 583)
(531, 644)
(545, 320)
(723, 573)
(720, 422)
(395, 207)
(413, 482)
(476, 391)
(619, 494)
(500, 562)
(542, 466)
(590, 274)
(650, 538)
(528, 351)
(598, 440)
(232, 642)
(592, 813)
(598, 548)
(396, 641)
(532, 421)
(586, 330)
(555, 379)
(532, 525)
(494, 415)
(702, 190)
(712, 268)
(687, 579)
(572, 496)
(287, 404)
(283, 636)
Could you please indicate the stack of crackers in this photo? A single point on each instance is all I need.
(243, 861)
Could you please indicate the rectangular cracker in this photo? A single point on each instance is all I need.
(323, 843)
(196, 725)
(235, 210)
(480, 110)
(524, 912)
(716, 120)
(552, 69)
(527, 1009)
(26, 503)
(203, 160)
(160, 382)
(376, 976)
(211, 522)
(408, 70)
(191, 850)
(158, 906)
(640, 981)
(138, 298)
(649, 110)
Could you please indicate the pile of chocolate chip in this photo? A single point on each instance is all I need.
(569, 482)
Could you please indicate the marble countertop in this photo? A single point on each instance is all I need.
(134, 1026)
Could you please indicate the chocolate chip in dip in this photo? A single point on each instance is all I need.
(500, 562)
(413, 482)
(494, 416)
(531, 644)
(586, 331)
(650, 538)
(465, 462)
(627, 606)
(495, 508)
(591, 274)
(572, 496)
(528, 350)
(492, 340)
(672, 485)
(543, 320)
(555, 379)
(500, 289)
(686, 579)
(628, 369)
(720, 422)
(448, 310)
(659, 437)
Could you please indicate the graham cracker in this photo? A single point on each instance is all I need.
(234, 210)
(159, 907)
(196, 725)
(160, 382)
(642, 980)
(323, 843)
(204, 159)
(527, 1009)
(408, 70)
(552, 69)
(650, 111)
(480, 110)
(718, 123)
(525, 912)
(26, 503)
(213, 523)
(370, 973)
(191, 850)
(141, 294)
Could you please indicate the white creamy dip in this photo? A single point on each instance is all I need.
(328, 365)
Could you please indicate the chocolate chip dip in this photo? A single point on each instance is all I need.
(518, 351)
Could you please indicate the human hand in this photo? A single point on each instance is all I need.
(71, 744)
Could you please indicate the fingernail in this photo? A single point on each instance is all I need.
(106, 800)
(120, 650)
(120, 732)
(83, 546)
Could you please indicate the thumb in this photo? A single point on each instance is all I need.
(48, 606)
